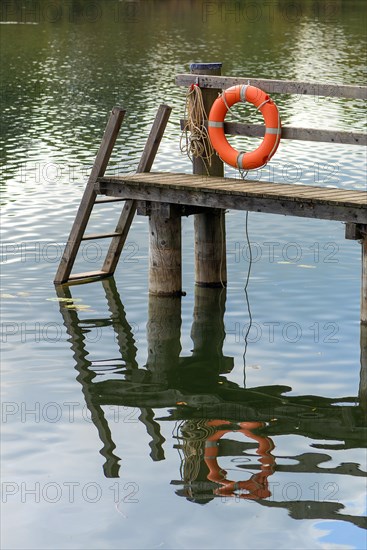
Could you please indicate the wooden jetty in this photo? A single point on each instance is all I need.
(195, 390)
(166, 197)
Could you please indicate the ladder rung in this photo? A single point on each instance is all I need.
(107, 200)
(88, 274)
(93, 236)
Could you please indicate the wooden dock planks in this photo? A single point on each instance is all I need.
(229, 193)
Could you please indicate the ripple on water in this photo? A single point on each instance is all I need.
(60, 81)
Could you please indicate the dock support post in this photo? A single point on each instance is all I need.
(210, 231)
(165, 278)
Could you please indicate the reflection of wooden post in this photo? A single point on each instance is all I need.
(165, 250)
(207, 332)
(163, 334)
(358, 232)
(362, 394)
(210, 240)
(364, 280)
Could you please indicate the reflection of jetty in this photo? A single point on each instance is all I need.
(166, 197)
(208, 406)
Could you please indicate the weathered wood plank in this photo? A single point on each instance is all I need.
(95, 236)
(206, 182)
(88, 275)
(107, 200)
(355, 232)
(276, 86)
(117, 243)
(129, 209)
(89, 196)
(242, 197)
(346, 197)
(235, 186)
(296, 190)
(300, 134)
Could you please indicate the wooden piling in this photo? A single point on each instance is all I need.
(210, 233)
(165, 278)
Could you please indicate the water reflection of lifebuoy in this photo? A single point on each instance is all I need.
(257, 486)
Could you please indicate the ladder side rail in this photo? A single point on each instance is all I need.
(89, 196)
(129, 209)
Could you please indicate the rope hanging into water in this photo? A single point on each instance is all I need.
(195, 142)
(243, 174)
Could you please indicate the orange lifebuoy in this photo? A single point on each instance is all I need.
(261, 100)
(257, 486)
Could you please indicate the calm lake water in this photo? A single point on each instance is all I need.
(112, 402)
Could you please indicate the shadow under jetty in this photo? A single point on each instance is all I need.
(215, 418)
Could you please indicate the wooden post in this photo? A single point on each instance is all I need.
(165, 278)
(364, 280)
(210, 233)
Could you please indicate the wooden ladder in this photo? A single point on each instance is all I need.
(89, 199)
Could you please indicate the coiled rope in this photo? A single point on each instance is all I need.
(194, 141)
